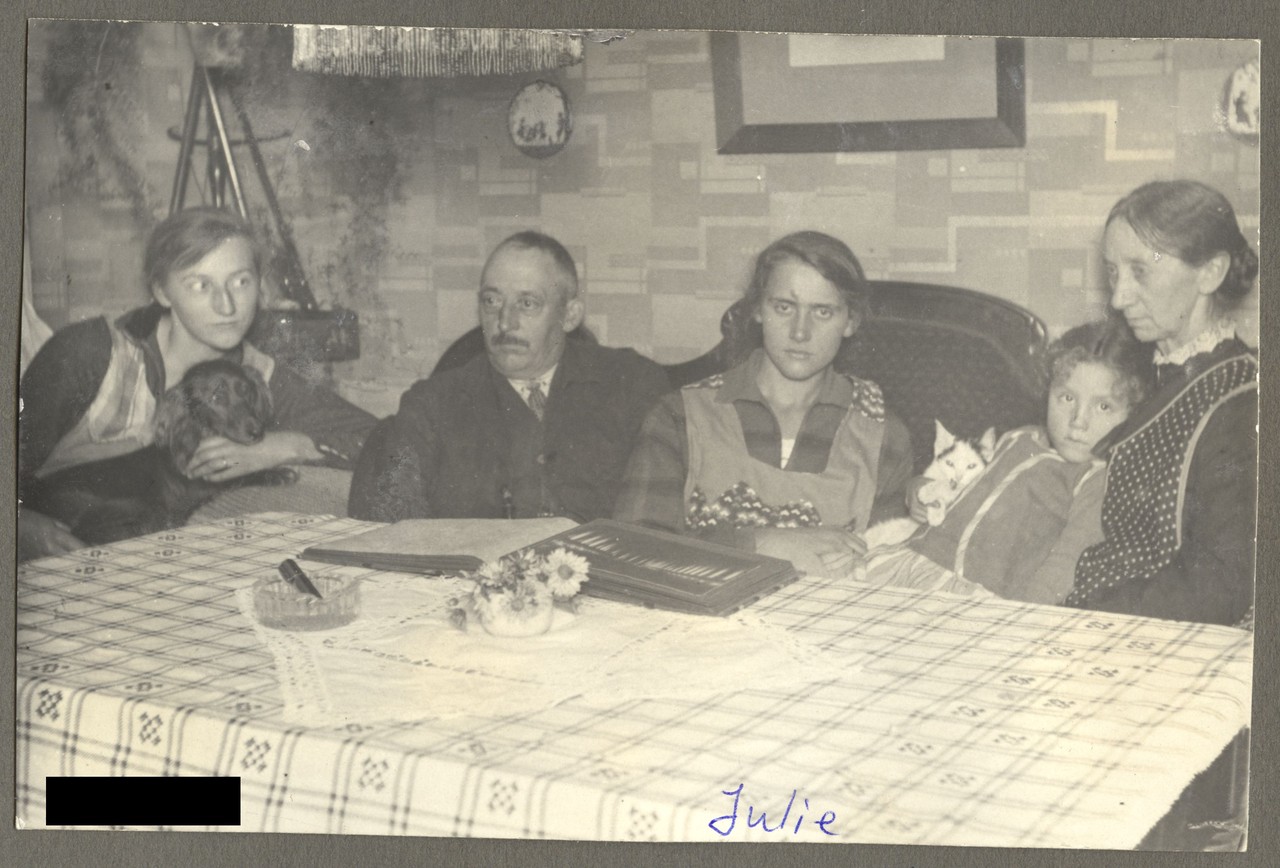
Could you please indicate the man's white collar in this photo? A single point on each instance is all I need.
(525, 386)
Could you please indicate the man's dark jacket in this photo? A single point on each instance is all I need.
(465, 445)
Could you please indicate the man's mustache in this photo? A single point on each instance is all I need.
(508, 340)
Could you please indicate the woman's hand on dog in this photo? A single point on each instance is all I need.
(40, 536)
(218, 459)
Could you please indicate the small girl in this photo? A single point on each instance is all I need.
(1018, 530)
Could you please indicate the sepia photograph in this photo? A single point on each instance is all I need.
(638, 435)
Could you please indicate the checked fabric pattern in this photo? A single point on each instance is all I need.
(954, 721)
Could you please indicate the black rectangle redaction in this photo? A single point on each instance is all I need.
(142, 801)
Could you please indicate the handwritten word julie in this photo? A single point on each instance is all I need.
(723, 826)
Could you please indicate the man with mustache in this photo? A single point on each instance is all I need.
(536, 425)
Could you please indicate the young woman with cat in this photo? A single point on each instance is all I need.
(1181, 490)
(781, 454)
(91, 391)
(1020, 522)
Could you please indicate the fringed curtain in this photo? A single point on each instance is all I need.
(421, 52)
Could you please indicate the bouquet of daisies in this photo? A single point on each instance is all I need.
(522, 586)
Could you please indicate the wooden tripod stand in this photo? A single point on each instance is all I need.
(306, 333)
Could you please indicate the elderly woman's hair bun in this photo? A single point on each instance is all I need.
(1193, 222)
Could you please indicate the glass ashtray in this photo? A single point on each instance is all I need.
(282, 607)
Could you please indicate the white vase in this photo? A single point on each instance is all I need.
(533, 620)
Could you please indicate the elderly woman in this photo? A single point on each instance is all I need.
(1179, 510)
(91, 392)
(781, 454)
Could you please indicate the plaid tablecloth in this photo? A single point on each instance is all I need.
(963, 722)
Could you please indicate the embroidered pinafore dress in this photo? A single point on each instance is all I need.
(718, 460)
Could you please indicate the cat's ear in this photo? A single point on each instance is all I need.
(942, 439)
(987, 444)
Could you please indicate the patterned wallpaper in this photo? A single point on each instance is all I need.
(664, 228)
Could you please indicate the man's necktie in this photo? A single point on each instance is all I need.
(537, 400)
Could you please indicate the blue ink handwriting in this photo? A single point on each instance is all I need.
(723, 826)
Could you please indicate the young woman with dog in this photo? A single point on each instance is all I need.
(782, 454)
(92, 391)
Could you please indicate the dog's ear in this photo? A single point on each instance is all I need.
(177, 432)
(260, 402)
(169, 409)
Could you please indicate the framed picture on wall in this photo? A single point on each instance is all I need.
(818, 93)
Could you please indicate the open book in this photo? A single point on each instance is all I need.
(436, 545)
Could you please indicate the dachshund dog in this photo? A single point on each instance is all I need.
(147, 490)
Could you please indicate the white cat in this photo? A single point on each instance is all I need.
(956, 464)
